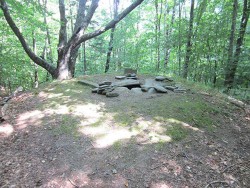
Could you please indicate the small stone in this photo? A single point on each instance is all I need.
(112, 94)
(43, 161)
(160, 78)
(114, 171)
(120, 77)
(94, 90)
(104, 86)
(180, 90)
(172, 88)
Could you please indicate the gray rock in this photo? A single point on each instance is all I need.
(131, 77)
(180, 90)
(104, 86)
(137, 90)
(94, 90)
(172, 88)
(152, 90)
(107, 91)
(105, 83)
(110, 94)
(160, 89)
(145, 88)
(160, 78)
(88, 83)
(121, 89)
(120, 77)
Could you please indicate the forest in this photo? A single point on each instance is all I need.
(124, 93)
(204, 41)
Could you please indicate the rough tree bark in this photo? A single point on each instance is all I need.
(66, 47)
(189, 42)
(110, 48)
(233, 58)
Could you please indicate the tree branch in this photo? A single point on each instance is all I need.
(111, 24)
(39, 61)
(80, 15)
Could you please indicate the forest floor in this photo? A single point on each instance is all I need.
(62, 135)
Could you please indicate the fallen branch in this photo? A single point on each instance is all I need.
(72, 183)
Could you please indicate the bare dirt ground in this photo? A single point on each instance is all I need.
(63, 136)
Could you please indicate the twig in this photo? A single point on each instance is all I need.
(214, 182)
(76, 186)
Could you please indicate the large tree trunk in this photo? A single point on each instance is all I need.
(233, 59)
(189, 42)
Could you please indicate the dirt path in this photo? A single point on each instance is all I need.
(64, 136)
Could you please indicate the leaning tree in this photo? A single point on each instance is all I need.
(68, 46)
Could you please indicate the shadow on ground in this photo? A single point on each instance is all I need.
(64, 136)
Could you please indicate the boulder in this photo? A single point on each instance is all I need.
(137, 90)
(160, 78)
(152, 90)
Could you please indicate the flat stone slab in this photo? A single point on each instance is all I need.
(105, 83)
(120, 77)
(88, 83)
(127, 82)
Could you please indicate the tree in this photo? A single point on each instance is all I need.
(67, 48)
(233, 58)
(189, 41)
(111, 41)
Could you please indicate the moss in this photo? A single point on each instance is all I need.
(177, 132)
(68, 125)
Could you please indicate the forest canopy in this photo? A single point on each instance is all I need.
(200, 40)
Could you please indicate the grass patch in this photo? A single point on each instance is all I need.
(125, 120)
(177, 132)
(117, 145)
(68, 125)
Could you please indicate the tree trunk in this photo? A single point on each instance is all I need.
(158, 14)
(233, 59)
(189, 42)
(110, 48)
(35, 65)
(168, 35)
(84, 58)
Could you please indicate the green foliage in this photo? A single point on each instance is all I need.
(177, 132)
(135, 43)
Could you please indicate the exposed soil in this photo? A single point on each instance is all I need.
(62, 135)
